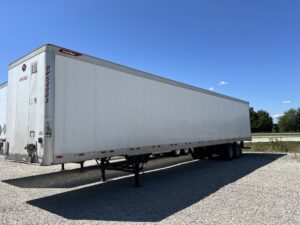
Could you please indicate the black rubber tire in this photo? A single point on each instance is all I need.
(228, 153)
(176, 153)
(185, 151)
(236, 151)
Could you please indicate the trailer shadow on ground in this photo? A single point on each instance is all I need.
(164, 192)
(71, 178)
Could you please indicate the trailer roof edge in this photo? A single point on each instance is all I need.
(122, 68)
(27, 56)
(3, 85)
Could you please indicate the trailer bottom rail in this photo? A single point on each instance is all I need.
(132, 164)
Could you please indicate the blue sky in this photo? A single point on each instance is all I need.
(246, 49)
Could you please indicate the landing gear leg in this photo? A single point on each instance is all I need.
(132, 164)
(81, 167)
(137, 163)
(137, 174)
(102, 166)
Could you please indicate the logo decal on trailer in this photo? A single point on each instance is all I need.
(47, 84)
(23, 78)
(69, 52)
(48, 131)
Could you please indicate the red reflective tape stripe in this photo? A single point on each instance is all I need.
(23, 78)
(59, 157)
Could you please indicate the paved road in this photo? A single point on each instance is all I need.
(256, 189)
(270, 139)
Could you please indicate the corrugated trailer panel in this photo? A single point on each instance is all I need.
(98, 108)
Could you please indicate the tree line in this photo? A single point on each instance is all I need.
(262, 121)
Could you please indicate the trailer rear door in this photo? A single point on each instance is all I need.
(21, 118)
(36, 108)
(25, 111)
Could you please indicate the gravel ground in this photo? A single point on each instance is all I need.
(259, 188)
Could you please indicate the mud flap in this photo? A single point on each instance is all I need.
(32, 152)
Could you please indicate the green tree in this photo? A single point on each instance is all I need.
(253, 120)
(298, 120)
(288, 122)
(261, 121)
(275, 128)
(265, 121)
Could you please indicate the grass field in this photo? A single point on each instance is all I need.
(276, 134)
(278, 146)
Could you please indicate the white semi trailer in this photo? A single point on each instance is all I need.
(3, 101)
(65, 106)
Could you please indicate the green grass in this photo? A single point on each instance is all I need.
(277, 146)
(276, 134)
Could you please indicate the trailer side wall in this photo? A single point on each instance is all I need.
(102, 109)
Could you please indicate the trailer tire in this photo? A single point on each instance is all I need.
(236, 151)
(185, 151)
(176, 153)
(228, 153)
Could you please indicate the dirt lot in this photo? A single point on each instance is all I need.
(259, 188)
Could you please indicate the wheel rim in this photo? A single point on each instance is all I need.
(186, 151)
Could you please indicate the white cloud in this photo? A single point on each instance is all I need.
(277, 115)
(222, 83)
(211, 89)
(286, 102)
